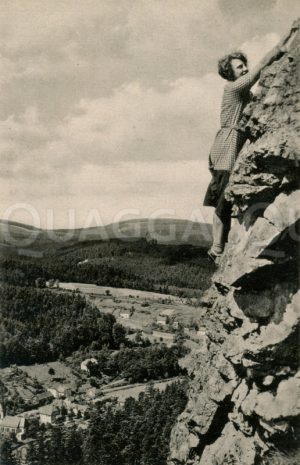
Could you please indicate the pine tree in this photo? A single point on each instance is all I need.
(72, 445)
(35, 453)
(6, 454)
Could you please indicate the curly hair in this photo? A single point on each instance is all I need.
(224, 64)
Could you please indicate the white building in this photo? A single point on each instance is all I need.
(52, 283)
(2, 411)
(13, 424)
(201, 332)
(162, 320)
(60, 390)
(125, 315)
(48, 414)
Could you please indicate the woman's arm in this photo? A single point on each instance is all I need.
(248, 80)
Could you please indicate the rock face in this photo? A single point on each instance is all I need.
(244, 388)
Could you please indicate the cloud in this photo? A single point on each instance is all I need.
(55, 56)
(98, 101)
(63, 54)
(139, 123)
(238, 10)
(134, 124)
(105, 193)
(258, 46)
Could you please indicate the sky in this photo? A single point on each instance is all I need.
(109, 108)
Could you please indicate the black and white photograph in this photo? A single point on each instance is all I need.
(149, 232)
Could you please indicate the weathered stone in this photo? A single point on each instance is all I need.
(273, 336)
(284, 404)
(249, 403)
(179, 444)
(240, 422)
(225, 368)
(272, 428)
(268, 380)
(261, 444)
(240, 394)
(231, 448)
(284, 211)
(269, 303)
(253, 248)
(243, 394)
(219, 389)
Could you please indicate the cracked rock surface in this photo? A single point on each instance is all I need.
(244, 391)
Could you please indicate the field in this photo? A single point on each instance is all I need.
(93, 289)
(142, 310)
(41, 371)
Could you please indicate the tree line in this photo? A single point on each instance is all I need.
(137, 265)
(139, 364)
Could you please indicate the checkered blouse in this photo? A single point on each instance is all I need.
(229, 141)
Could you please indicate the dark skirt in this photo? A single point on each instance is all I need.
(214, 196)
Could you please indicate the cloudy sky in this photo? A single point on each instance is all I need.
(109, 107)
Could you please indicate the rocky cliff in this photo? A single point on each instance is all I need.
(244, 384)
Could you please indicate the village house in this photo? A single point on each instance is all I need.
(64, 390)
(12, 424)
(162, 320)
(52, 283)
(125, 314)
(26, 394)
(60, 390)
(79, 408)
(201, 332)
(165, 316)
(84, 364)
(2, 411)
(43, 398)
(53, 390)
(68, 402)
(48, 414)
(70, 406)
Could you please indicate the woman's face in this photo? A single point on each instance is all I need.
(238, 68)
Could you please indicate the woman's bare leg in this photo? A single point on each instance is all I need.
(221, 229)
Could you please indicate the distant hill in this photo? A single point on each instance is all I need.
(27, 240)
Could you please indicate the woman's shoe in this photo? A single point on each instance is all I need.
(213, 256)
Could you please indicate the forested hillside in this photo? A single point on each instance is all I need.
(139, 265)
(38, 326)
